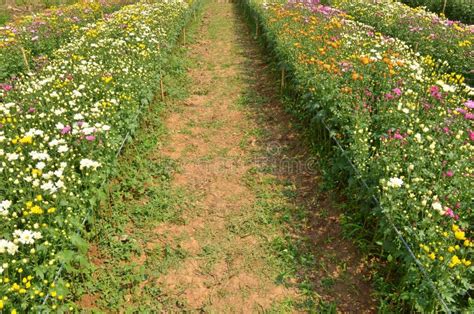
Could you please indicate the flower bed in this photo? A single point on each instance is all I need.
(462, 10)
(59, 133)
(407, 129)
(39, 35)
(424, 31)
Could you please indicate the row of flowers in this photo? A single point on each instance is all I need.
(455, 9)
(60, 129)
(407, 128)
(28, 41)
(424, 31)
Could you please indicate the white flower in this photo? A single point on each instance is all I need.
(437, 206)
(7, 246)
(4, 206)
(63, 149)
(41, 165)
(88, 163)
(78, 116)
(395, 182)
(39, 156)
(26, 236)
(12, 157)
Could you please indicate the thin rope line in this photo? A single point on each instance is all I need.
(397, 231)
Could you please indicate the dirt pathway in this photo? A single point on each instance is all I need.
(253, 233)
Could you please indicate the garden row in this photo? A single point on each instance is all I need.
(60, 130)
(425, 32)
(462, 10)
(26, 43)
(407, 130)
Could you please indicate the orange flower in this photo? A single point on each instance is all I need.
(364, 60)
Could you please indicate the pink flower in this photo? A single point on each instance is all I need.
(446, 130)
(388, 96)
(6, 87)
(469, 104)
(469, 116)
(435, 93)
(90, 138)
(398, 136)
(460, 110)
(397, 91)
(471, 135)
(31, 110)
(66, 130)
(449, 173)
(449, 212)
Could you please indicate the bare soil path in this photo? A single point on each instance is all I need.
(246, 228)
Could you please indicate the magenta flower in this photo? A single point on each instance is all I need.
(471, 135)
(449, 173)
(469, 104)
(6, 87)
(388, 96)
(435, 93)
(449, 212)
(66, 130)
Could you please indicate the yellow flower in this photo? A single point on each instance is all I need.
(39, 198)
(36, 210)
(107, 79)
(466, 262)
(1, 304)
(466, 242)
(51, 210)
(432, 256)
(455, 228)
(460, 235)
(454, 261)
(26, 140)
(53, 294)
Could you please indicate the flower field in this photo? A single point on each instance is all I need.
(404, 122)
(26, 43)
(425, 32)
(461, 10)
(60, 129)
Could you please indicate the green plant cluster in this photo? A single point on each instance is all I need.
(405, 127)
(60, 130)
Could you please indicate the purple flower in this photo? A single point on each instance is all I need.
(469, 104)
(66, 130)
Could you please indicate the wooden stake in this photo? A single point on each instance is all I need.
(282, 78)
(444, 6)
(256, 28)
(184, 36)
(25, 59)
(162, 90)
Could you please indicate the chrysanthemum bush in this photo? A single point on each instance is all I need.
(406, 127)
(59, 133)
(424, 31)
(455, 9)
(29, 41)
